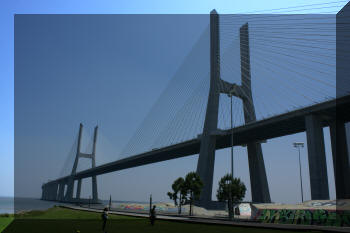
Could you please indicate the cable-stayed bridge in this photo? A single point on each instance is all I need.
(303, 53)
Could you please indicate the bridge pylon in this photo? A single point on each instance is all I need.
(205, 166)
(70, 183)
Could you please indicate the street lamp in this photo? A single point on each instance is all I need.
(230, 95)
(300, 145)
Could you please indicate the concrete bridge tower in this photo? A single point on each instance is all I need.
(68, 197)
(205, 166)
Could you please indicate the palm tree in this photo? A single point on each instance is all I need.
(193, 186)
(178, 189)
(231, 190)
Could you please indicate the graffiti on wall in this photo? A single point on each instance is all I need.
(145, 207)
(244, 209)
(308, 217)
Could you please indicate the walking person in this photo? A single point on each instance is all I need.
(152, 216)
(104, 218)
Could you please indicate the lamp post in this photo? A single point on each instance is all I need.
(300, 145)
(230, 95)
(150, 204)
(110, 202)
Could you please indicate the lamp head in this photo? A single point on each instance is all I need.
(298, 144)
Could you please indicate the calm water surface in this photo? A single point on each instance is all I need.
(11, 205)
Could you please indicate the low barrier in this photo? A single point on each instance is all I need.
(144, 207)
(304, 216)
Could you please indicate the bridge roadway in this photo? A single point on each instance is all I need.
(276, 126)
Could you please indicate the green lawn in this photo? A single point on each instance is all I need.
(4, 221)
(60, 220)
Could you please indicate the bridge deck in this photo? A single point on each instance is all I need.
(277, 126)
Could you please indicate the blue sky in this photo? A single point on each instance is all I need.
(9, 8)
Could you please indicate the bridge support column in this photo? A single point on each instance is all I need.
(50, 192)
(46, 192)
(258, 180)
(341, 163)
(340, 132)
(317, 158)
(94, 189)
(78, 189)
(43, 197)
(61, 191)
(93, 164)
(70, 190)
(70, 186)
(205, 165)
(54, 191)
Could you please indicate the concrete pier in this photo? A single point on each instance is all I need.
(341, 162)
(93, 164)
(206, 159)
(60, 196)
(70, 189)
(78, 189)
(258, 180)
(317, 158)
(339, 130)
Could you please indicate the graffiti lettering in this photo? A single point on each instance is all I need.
(308, 217)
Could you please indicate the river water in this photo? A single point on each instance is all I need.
(11, 205)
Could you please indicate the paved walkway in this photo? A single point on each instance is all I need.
(202, 220)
